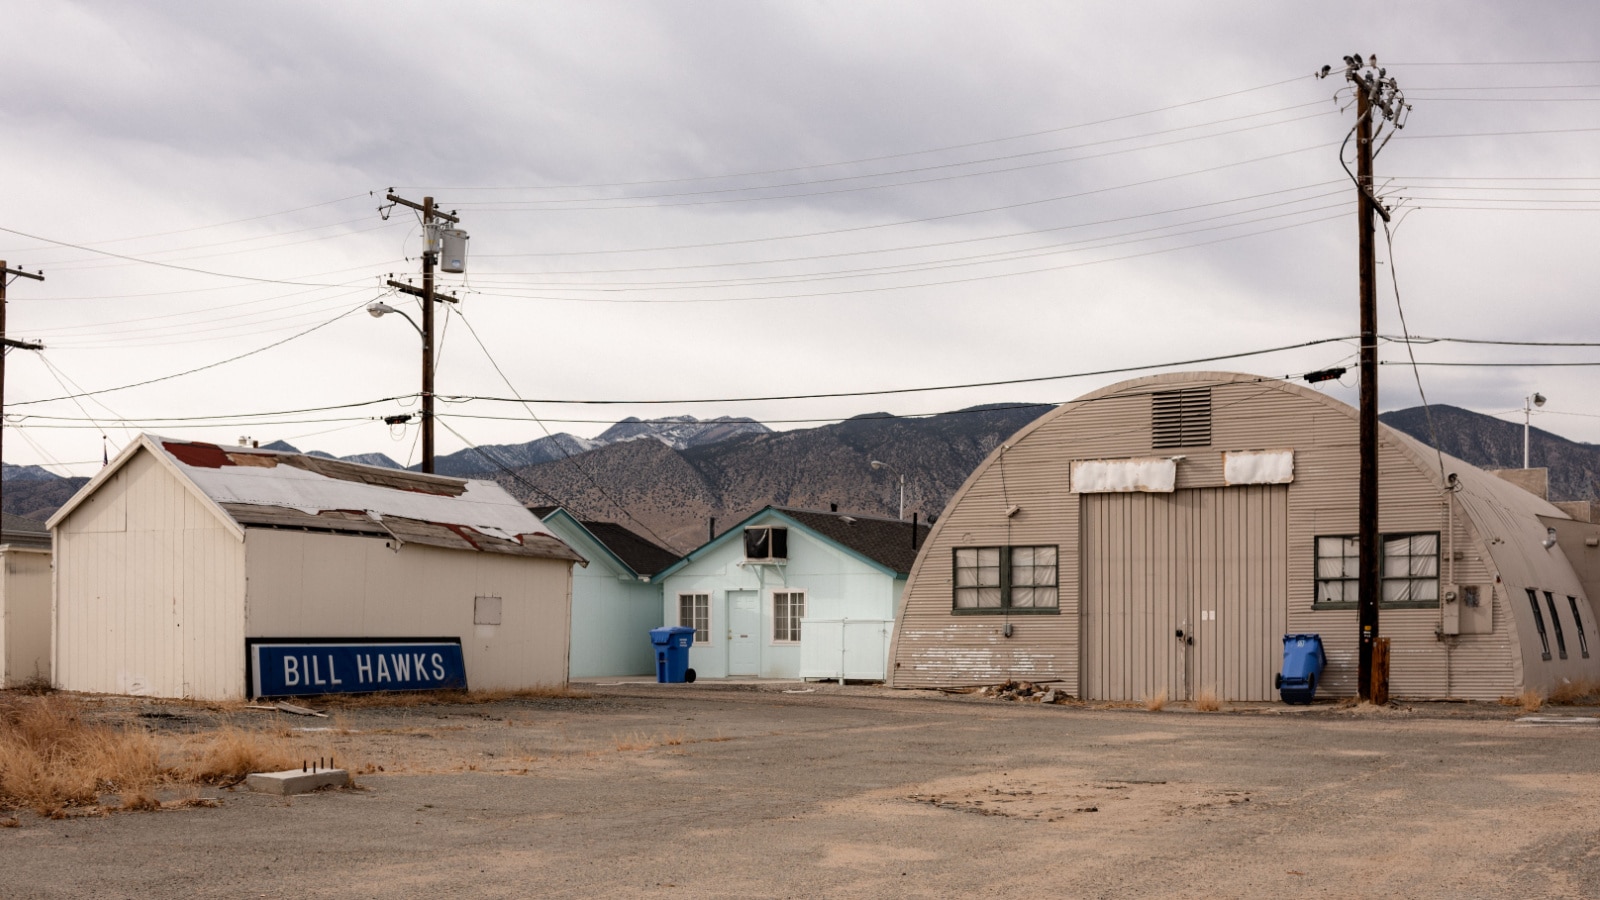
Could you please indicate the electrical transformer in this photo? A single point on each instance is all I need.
(453, 258)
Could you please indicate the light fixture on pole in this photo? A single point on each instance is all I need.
(378, 309)
(1528, 403)
(877, 464)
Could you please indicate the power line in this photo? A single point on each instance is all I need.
(909, 390)
(506, 205)
(163, 265)
(270, 215)
(868, 159)
(938, 218)
(1087, 244)
(203, 368)
(930, 245)
(901, 287)
(568, 456)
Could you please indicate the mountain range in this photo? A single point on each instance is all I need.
(669, 478)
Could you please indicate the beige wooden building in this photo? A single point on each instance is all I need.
(178, 551)
(1163, 534)
(24, 601)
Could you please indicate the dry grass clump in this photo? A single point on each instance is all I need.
(1206, 700)
(1582, 692)
(228, 754)
(1529, 701)
(50, 759)
(1156, 702)
(53, 761)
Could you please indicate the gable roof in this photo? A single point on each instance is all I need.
(639, 556)
(252, 487)
(642, 556)
(884, 543)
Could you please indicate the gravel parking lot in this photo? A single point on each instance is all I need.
(723, 790)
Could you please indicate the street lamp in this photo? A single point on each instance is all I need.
(876, 464)
(378, 309)
(1536, 399)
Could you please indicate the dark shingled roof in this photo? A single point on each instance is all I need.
(637, 553)
(887, 542)
(641, 555)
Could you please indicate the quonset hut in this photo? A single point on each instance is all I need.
(1163, 534)
(180, 555)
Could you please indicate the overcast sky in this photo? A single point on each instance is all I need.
(707, 201)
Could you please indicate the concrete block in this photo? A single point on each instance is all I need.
(295, 781)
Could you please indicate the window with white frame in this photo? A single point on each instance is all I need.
(1006, 579)
(788, 608)
(1409, 571)
(766, 544)
(694, 611)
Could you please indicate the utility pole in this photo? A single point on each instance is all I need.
(1375, 94)
(430, 255)
(6, 344)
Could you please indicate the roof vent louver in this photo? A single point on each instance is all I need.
(1180, 418)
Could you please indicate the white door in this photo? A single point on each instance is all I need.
(744, 633)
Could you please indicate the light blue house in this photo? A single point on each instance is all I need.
(793, 593)
(615, 602)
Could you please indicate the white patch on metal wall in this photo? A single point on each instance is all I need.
(1258, 466)
(1149, 475)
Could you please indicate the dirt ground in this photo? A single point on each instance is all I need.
(788, 790)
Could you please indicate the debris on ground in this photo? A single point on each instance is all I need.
(1024, 690)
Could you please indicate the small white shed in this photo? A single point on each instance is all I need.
(179, 553)
(793, 593)
(24, 601)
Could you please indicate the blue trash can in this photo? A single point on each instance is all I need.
(672, 645)
(1303, 662)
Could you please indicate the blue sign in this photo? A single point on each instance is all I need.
(286, 667)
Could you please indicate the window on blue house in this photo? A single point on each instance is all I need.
(694, 611)
(788, 608)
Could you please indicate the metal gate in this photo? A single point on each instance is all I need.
(1184, 591)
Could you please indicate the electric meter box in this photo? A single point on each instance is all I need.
(453, 257)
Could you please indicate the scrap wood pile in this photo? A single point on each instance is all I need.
(1024, 690)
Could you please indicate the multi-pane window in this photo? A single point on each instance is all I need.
(1538, 621)
(1555, 619)
(694, 611)
(1409, 571)
(1410, 568)
(1033, 577)
(1577, 622)
(977, 578)
(1338, 570)
(1006, 578)
(788, 608)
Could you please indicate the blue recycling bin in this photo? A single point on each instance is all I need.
(1303, 662)
(672, 645)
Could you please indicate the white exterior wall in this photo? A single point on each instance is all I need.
(612, 612)
(24, 614)
(837, 583)
(306, 584)
(149, 594)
